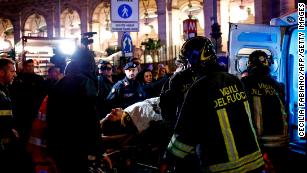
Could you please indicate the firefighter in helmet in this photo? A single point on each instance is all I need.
(268, 111)
(173, 91)
(214, 122)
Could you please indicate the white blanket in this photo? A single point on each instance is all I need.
(143, 112)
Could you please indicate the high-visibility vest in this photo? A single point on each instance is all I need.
(37, 142)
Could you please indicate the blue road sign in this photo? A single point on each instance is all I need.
(127, 45)
(124, 11)
(124, 15)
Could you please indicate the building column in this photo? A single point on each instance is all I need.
(258, 11)
(17, 28)
(266, 10)
(84, 18)
(161, 10)
(90, 25)
(208, 14)
(119, 38)
(57, 18)
(287, 6)
(50, 23)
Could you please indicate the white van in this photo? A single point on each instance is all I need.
(280, 41)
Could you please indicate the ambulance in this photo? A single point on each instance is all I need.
(280, 41)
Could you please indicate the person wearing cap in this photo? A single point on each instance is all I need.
(128, 90)
(105, 84)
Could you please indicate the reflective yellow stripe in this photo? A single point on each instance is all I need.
(180, 149)
(258, 114)
(177, 152)
(248, 110)
(6, 113)
(244, 164)
(182, 146)
(227, 134)
(275, 141)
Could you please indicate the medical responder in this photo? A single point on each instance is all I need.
(268, 111)
(214, 122)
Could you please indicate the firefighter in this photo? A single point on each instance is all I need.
(268, 111)
(214, 122)
(172, 94)
(8, 135)
(173, 91)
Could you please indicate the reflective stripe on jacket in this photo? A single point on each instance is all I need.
(6, 114)
(268, 111)
(215, 118)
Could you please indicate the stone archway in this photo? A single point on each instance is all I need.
(35, 25)
(148, 21)
(6, 35)
(101, 23)
(70, 24)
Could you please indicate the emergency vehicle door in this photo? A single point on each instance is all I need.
(245, 38)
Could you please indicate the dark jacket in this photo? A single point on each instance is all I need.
(71, 115)
(73, 130)
(125, 93)
(172, 94)
(268, 111)
(27, 93)
(150, 90)
(215, 118)
(6, 113)
(104, 88)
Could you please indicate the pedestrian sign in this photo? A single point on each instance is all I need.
(127, 45)
(124, 11)
(124, 15)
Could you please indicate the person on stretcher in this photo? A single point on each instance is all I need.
(122, 126)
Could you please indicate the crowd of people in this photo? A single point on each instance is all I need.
(208, 120)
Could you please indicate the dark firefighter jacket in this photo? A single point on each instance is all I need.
(268, 112)
(6, 114)
(215, 117)
(172, 94)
